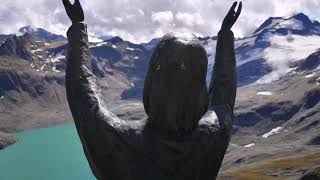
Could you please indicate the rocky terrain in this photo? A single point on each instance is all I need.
(276, 132)
(32, 92)
(6, 140)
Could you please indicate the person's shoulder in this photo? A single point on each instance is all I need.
(218, 118)
(127, 126)
(126, 133)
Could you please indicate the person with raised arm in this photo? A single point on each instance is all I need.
(188, 129)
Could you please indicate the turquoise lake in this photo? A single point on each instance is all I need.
(46, 154)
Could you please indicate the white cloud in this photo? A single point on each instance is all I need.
(190, 19)
(163, 17)
(142, 20)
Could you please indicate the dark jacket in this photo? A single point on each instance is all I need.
(122, 150)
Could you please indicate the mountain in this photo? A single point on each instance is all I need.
(274, 49)
(152, 44)
(277, 106)
(41, 33)
(38, 32)
(281, 45)
(296, 24)
(32, 78)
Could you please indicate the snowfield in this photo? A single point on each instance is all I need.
(282, 52)
(285, 50)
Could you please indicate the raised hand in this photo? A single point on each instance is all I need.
(231, 17)
(74, 11)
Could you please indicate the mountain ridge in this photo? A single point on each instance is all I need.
(121, 65)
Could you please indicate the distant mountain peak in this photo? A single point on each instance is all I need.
(115, 40)
(300, 16)
(41, 33)
(298, 23)
(268, 23)
(27, 29)
(105, 37)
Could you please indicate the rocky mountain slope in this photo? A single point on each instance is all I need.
(32, 78)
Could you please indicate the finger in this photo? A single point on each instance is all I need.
(239, 10)
(231, 11)
(66, 3)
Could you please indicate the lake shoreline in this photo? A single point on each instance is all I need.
(6, 140)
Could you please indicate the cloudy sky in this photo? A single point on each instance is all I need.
(142, 20)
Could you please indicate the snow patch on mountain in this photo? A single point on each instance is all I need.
(36, 50)
(100, 44)
(249, 145)
(310, 75)
(274, 131)
(264, 93)
(54, 69)
(318, 81)
(42, 67)
(130, 49)
(56, 58)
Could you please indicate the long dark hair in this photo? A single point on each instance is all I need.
(175, 94)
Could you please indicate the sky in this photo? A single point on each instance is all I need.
(142, 20)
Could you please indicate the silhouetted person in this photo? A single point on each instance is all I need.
(188, 129)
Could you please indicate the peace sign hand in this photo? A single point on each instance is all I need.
(231, 17)
(74, 11)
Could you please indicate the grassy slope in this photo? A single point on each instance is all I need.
(287, 168)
